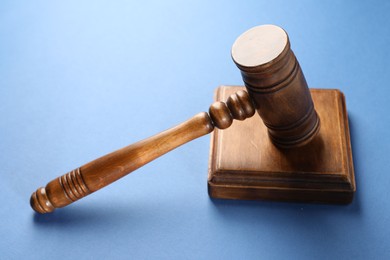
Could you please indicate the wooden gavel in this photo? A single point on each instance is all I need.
(276, 89)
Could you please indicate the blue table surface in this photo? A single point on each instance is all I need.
(79, 79)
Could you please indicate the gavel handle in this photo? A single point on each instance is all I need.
(99, 173)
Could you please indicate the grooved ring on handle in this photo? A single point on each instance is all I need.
(73, 185)
(70, 187)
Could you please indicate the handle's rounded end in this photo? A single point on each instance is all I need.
(40, 202)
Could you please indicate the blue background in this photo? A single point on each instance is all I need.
(79, 79)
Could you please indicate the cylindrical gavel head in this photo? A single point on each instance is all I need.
(276, 84)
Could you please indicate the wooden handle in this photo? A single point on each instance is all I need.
(99, 173)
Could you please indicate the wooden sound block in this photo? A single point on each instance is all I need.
(245, 164)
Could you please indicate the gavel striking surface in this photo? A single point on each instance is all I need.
(245, 164)
(276, 84)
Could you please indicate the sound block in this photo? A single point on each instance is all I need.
(245, 164)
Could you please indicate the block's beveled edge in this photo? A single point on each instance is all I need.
(263, 189)
(351, 171)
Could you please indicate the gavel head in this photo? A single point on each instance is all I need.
(276, 85)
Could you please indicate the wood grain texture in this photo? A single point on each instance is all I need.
(101, 172)
(276, 84)
(245, 164)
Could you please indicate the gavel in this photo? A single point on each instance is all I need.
(276, 89)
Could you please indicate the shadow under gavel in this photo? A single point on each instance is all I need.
(99, 173)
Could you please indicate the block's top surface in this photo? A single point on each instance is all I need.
(259, 45)
(244, 150)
